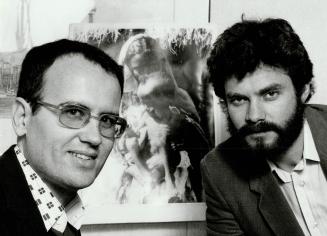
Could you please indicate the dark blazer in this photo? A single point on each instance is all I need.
(18, 211)
(242, 195)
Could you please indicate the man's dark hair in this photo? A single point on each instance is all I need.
(243, 47)
(39, 59)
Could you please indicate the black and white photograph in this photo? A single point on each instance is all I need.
(163, 117)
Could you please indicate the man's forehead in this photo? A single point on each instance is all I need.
(77, 79)
(70, 64)
(263, 76)
(68, 60)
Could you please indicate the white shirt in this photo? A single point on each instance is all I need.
(54, 215)
(305, 188)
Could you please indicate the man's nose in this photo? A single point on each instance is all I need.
(255, 112)
(90, 133)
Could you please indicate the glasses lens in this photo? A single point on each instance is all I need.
(73, 116)
(112, 126)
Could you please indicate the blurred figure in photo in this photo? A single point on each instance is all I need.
(164, 143)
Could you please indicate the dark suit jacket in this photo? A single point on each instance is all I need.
(18, 211)
(242, 195)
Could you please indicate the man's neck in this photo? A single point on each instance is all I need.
(291, 157)
(63, 196)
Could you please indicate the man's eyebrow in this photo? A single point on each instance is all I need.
(270, 88)
(234, 95)
(72, 103)
(110, 113)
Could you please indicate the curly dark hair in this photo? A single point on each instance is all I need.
(39, 59)
(241, 49)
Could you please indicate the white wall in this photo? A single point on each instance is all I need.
(152, 11)
(127, 11)
(308, 18)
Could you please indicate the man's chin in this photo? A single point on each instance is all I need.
(261, 144)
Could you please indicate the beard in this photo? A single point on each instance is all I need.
(286, 134)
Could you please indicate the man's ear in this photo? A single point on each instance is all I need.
(21, 115)
(306, 92)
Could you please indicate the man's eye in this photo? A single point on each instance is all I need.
(271, 95)
(74, 112)
(237, 101)
(107, 121)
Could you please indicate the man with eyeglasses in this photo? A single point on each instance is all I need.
(66, 120)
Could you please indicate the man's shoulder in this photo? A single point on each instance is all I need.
(314, 110)
(9, 151)
(4, 169)
(233, 160)
(13, 183)
(226, 155)
(7, 157)
(316, 114)
(320, 108)
(231, 146)
(17, 202)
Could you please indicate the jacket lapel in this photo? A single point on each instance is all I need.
(274, 207)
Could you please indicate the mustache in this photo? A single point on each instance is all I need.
(263, 126)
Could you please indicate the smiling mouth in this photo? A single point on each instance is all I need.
(82, 156)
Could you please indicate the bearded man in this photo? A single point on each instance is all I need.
(269, 177)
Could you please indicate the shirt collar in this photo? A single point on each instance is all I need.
(53, 214)
(309, 153)
(282, 174)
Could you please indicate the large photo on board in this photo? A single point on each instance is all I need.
(166, 102)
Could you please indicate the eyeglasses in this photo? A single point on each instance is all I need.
(76, 116)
